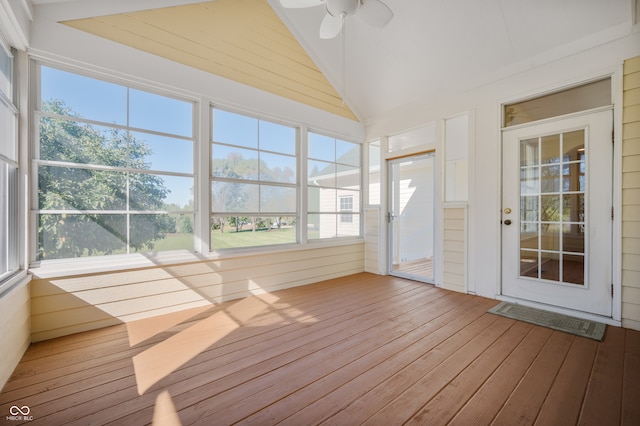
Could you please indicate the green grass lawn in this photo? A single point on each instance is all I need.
(232, 239)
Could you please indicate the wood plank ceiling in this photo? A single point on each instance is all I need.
(242, 40)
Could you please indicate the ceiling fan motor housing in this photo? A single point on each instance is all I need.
(342, 7)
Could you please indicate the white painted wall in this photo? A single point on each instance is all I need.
(539, 75)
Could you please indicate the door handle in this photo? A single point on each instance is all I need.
(507, 222)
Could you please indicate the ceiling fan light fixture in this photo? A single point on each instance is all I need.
(344, 8)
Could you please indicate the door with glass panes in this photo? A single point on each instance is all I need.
(557, 212)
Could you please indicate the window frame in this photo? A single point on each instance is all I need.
(337, 213)
(258, 181)
(10, 264)
(37, 113)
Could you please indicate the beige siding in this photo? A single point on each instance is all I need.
(454, 254)
(70, 304)
(631, 196)
(14, 329)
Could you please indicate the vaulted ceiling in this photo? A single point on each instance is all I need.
(429, 49)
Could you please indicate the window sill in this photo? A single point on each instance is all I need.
(95, 265)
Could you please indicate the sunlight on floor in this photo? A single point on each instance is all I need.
(164, 412)
(160, 360)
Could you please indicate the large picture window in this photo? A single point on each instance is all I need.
(254, 185)
(333, 185)
(9, 239)
(114, 168)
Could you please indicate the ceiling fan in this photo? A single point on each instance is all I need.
(373, 12)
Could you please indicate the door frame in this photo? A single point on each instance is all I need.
(616, 232)
(387, 216)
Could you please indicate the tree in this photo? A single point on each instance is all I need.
(89, 190)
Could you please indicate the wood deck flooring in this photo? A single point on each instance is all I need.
(364, 349)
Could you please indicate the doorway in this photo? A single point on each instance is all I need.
(410, 217)
(557, 212)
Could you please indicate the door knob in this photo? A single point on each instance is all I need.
(507, 222)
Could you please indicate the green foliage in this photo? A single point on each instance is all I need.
(92, 190)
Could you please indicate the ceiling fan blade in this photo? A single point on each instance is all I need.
(300, 4)
(375, 13)
(330, 27)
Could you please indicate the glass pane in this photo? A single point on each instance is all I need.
(322, 226)
(550, 208)
(550, 263)
(8, 123)
(582, 98)
(75, 95)
(277, 168)
(347, 153)
(322, 200)
(160, 113)
(573, 238)
(529, 235)
(76, 235)
(321, 173)
(227, 197)
(374, 173)
(529, 181)
(529, 208)
(550, 149)
(149, 192)
(529, 152)
(178, 235)
(235, 129)
(573, 146)
(550, 236)
(234, 162)
(321, 147)
(550, 178)
(151, 232)
(6, 62)
(236, 232)
(348, 225)
(573, 208)
(153, 152)
(277, 138)
(348, 177)
(65, 140)
(573, 177)
(65, 188)
(277, 199)
(573, 269)
(529, 263)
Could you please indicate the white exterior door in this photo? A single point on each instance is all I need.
(557, 212)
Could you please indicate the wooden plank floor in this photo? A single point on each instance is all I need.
(364, 349)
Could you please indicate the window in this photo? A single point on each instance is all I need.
(581, 98)
(254, 184)
(115, 168)
(346, 205)
(333, 182)
(9, 239)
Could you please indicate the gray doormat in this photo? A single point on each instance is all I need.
(579, 327)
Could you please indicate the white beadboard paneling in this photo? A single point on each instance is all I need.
(14, 328)
(65, 305)
(454, 253)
